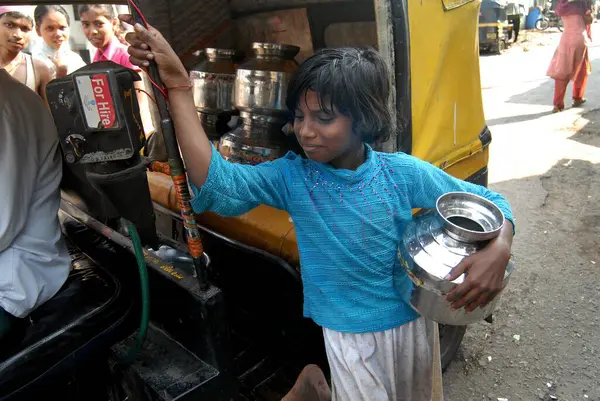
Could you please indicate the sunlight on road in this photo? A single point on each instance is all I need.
(527, 138)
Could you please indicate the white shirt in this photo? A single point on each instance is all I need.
(45, 53)
(34, 262)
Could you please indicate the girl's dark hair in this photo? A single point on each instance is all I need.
(41, 11)
(105, 10)
(355, 81)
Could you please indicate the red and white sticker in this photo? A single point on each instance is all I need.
(98, 107)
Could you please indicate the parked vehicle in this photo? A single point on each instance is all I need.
(231, 329)
(549, 19)
(495, 31)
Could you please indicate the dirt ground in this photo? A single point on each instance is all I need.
(544, 340)
(529, 40)
(543, 344)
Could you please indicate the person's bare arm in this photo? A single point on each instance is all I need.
(44, 76)
(147, 45)
(144, 107)
(194, 144)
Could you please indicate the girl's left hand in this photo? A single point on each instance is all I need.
(484, 276)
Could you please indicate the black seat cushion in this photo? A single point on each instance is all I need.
(89, 314)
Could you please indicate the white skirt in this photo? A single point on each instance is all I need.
(400, 364)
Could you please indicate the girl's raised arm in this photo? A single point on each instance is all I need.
(149, 44)
(225, 188)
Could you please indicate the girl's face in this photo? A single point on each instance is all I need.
(327, 137)
(54, 29)
(97, 28)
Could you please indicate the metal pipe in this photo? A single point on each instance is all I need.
(178, 175)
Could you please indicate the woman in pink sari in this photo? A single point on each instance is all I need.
(571, 61)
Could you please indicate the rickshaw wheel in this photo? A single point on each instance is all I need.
(450, 340)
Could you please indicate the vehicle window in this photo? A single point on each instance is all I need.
(452, 4)
(351, 34)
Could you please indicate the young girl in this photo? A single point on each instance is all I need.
(52, 25)
(350, 205)
(100, 26)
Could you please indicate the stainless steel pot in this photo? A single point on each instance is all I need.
(258, 140)
(261, 82)
(440, 239)
(213, 81)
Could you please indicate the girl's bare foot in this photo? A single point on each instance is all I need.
(310, 386)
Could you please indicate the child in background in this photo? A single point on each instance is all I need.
(100, 26)
(52, 25)
(350, 206)
(16, 27)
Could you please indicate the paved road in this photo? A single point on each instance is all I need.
(544, 341)
(518, 103)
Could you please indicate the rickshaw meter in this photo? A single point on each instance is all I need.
(97, 116)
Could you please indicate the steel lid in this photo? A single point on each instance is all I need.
(212, 52)
(468, 217)
(287, 52)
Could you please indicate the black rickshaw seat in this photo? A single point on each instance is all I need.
(89, 314)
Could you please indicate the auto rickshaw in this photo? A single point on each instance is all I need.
(494, 29)
(231, 327)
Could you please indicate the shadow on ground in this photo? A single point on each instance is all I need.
(542, 94)
(589, 133)
(517, 119)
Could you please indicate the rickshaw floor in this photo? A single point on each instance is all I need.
(166, 367)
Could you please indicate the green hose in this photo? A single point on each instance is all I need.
(141, 262)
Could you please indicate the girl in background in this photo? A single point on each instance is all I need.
(100, 26)
(52, 25)
(571, 61)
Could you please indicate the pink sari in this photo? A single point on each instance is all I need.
(571, 55)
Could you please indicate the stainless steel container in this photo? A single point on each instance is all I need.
(256, 141)
(440, 239)
(213, 80)
(261, 82)
(259, 94)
